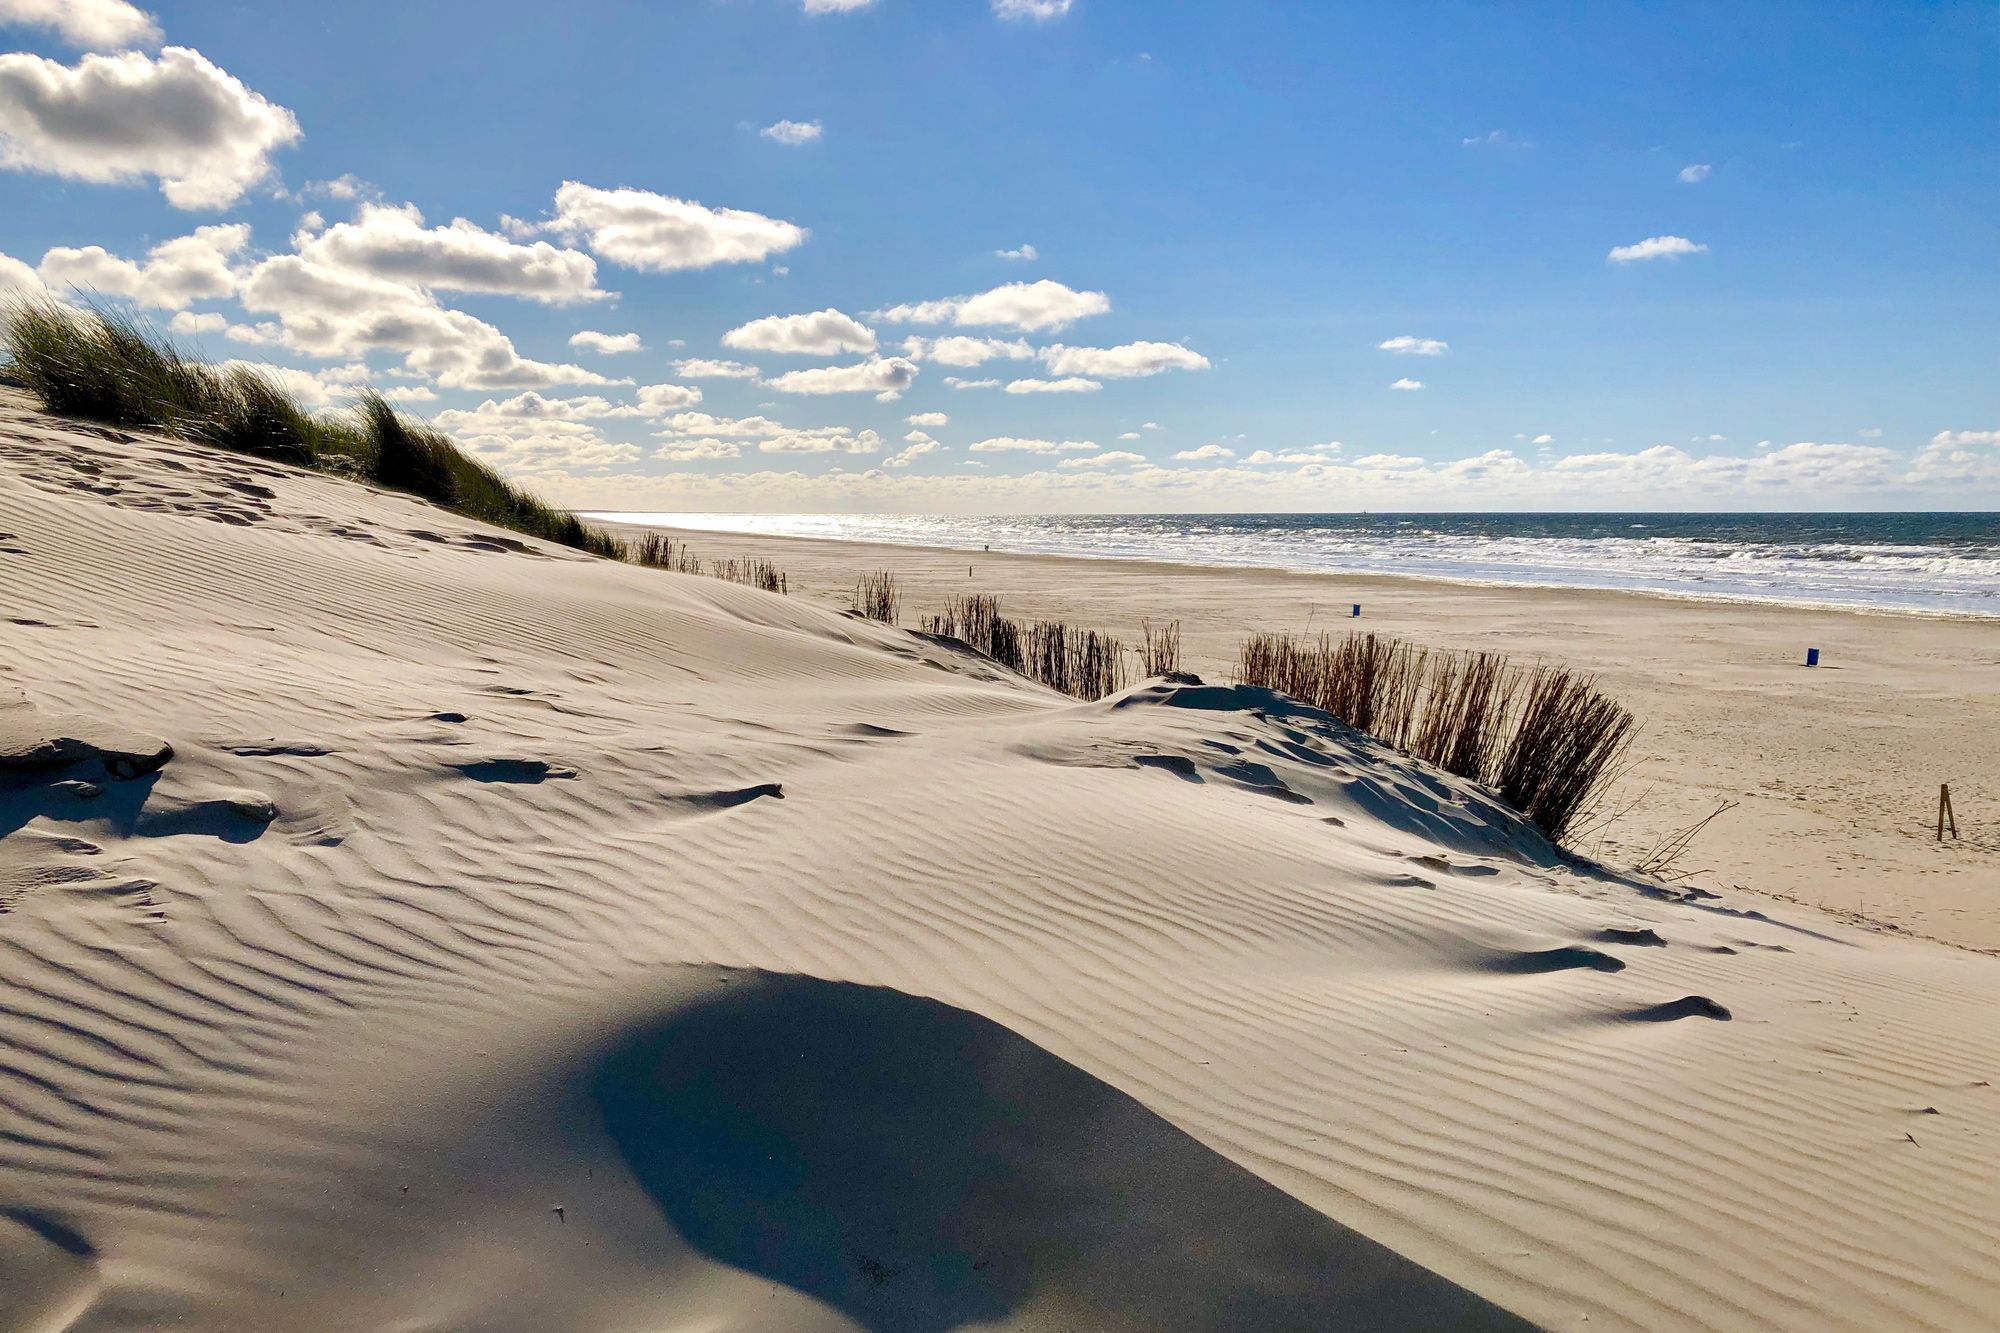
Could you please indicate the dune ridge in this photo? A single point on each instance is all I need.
(534, 818)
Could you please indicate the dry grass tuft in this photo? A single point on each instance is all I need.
(1546, 739)
(877, 596)
(757, 573)
(1160, 649)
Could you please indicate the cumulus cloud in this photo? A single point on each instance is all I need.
(1070, 385)
(1695, 172)
(822, 333)
(1031, 307)
(1206, 453)
(794, 133)
(1655, 247)
(114, 119)
(960, 350)
(928, 419)
(1113, 458)
(328, 311)
(885, 377)
(1407, 385)
(18, 280)
(1038, 10)
(606, 344)
(957, 383)
(660, 234)
(1544, 439)
(822, 440)
(1022, 254)
(1406, 345)
(174, 273)
(659, 399)
(393, 243)
(1131, 361)
(698, 451)
(1006, 444)
(701, 423)
(917, 449)
(89, 25)
(698, 368)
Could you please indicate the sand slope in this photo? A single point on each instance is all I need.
(517, 941)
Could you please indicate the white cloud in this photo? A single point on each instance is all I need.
(532, 406)
(1131, 361)
(393, 243)
(1316, 454)
(1407, 385)
(701, 369)
(1129, 435)
(175, 273)
(1203, 454)
(885, 377)
(698, 451)
(1151, 425)
(1870, 432)
(1497, 139)
(1103, 461)
(917, 449)
(1022, 254)
(1070, 385)
(189, 324)
(1406, 345)
(1545, 439)
(89, 25)
(18, 280)
(822, 333)
(1655, 247)
(659, 399)
(960, 350)
(957, 383)
(1959, 459)
(1031, 307)
(1696, 172)
(835, 6)
(316, 389)
(331, 312)
(701, 423)
(823, 440)
(794, 133)
(1007, 444)
(606, 344)
(928, 419)
(660, 234)
(121, 118)
(1038, 10)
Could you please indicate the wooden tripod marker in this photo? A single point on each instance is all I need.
(1946, 820)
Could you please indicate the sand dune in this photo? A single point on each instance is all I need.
(513, 940)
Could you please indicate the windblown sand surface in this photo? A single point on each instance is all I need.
(1835, 771)
(517, 941)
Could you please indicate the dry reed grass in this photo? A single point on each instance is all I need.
(878, 596)
(1546, 739)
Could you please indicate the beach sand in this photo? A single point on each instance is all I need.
(412, 927)
(1835, 770)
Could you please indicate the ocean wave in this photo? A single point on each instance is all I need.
(1908, 562)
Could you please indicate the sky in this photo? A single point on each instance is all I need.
(1061, 255)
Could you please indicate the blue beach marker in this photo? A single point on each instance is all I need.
(1357, 610)
(1812, 657)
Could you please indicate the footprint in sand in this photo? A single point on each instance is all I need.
(1688, 1006)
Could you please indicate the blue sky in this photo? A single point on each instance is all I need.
(1730, 256)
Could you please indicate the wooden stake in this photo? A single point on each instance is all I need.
(1946, 820)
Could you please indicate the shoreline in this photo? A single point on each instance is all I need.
(1835, 770)
(1452, 580)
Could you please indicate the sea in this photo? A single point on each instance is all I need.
(1940, 563)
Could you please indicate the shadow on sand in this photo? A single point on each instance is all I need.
(920, 1168)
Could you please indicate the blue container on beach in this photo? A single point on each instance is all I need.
(1357, 610)
(1812, 657)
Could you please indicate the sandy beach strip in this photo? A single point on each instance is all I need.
(1835, 770)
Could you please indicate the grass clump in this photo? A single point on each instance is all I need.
(1159, 648)
(878, 596)
(656, 550)
(105, 366)
(1546, 739)
(756, 573)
